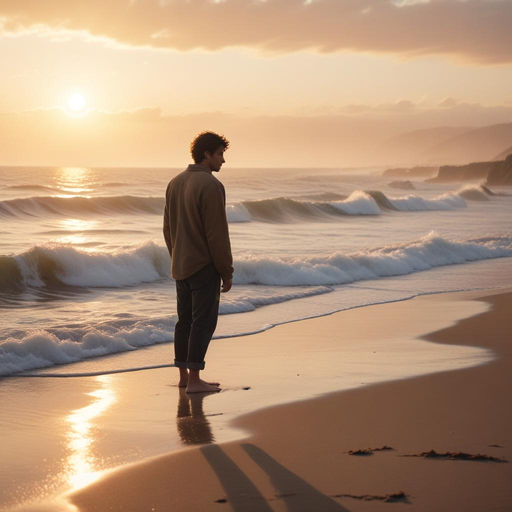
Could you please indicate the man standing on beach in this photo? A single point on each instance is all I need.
(197, 236)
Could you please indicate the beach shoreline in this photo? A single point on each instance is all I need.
(296, 455)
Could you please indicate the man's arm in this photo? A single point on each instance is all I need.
(213, 213)
(167, 230)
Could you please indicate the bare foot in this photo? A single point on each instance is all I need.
(201, 387)
(215, 384)
(183, 383)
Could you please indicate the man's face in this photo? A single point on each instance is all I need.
(214, 161)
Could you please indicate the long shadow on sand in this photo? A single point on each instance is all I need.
(298, 495)
(241, 493)
(243, 496)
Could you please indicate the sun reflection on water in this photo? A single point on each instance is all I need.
(78, 228)
(81, 464)
(76, 180)
(77, 224)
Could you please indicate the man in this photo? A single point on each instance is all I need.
(197, 236)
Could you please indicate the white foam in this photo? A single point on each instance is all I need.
(237, 213)
(144, 263)
(358, 203)
(44, 348)
(473, 193)
(41, 348)
(149, 262)
(416, 203)
(393, 260)
(244, 304)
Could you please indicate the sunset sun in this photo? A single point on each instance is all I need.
(76, 102)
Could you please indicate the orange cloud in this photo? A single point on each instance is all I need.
(470, 30)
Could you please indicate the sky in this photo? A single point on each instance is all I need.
(289, 82)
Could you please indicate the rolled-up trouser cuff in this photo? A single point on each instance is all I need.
(189, 365)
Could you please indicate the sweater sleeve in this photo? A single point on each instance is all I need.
(213, 213)
(167, 227)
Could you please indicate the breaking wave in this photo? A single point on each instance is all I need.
(370, 202)
(426, 253)
(62, 206)
(280, 209)
(42, 348)
(62, 265)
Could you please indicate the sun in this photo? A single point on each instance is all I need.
(76, 102)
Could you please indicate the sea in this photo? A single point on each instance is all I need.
(84, 271)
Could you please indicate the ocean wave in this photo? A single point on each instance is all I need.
(423, 254)
(33, 187)
(360, 202)
(77, 205)
(279, 209)
(448, 201)
(62, 265)
(285, 209)
(416, 203)
(475, 193)
(43, 348)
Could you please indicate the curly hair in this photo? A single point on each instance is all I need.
(206, 141)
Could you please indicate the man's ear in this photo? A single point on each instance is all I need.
(207, 155)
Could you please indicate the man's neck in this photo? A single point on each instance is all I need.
(205, 164)
(203, 167)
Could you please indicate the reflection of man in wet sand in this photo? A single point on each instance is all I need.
(193, 425)
(197, 236)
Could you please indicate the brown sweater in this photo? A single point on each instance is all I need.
(195, 223)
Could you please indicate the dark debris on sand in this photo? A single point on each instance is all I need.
(369, 451)
(222, 500)
(389, 498)
(432, 454)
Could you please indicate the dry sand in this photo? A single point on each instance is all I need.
(295, 457)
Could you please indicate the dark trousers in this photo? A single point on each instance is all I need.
(198, 309)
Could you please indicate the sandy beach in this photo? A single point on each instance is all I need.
(297, 456)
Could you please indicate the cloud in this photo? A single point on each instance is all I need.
(448, 103)
(398, 107)
(471, 30)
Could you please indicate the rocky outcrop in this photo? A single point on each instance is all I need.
(414, 172)
(470, 172)
(500, 173)
(403, 185)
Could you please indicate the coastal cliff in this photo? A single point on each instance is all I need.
(495, 173)
(474, 171)
(500, 173)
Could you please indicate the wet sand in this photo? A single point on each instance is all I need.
(297, 456)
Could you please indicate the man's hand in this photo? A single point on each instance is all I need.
(226, 285)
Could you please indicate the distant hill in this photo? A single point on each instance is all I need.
(503, 154)
(404, 149)
(481, 144)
